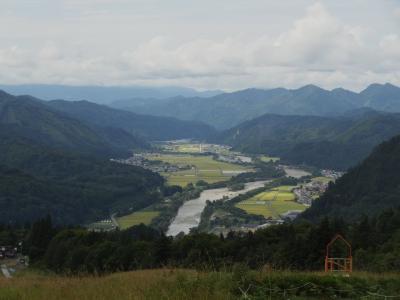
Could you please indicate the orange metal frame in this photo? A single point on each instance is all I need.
(338, 264)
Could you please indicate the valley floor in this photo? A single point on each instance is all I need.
(188, 284)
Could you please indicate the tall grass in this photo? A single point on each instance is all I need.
(186, 284)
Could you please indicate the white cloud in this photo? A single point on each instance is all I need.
(397, 13)
(316, 48)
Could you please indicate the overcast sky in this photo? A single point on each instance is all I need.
(204, 44)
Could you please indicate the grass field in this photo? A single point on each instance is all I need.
(187, 148)
(137, 218)
(271, 203)
(206, 168)
(266, 158)
(322, 179)
(187, 284)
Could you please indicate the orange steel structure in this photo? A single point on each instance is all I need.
(338, 264)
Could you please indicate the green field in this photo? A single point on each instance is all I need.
(271, 203)
(205, 168)
(187, 148)
(137, 218)
(266, 158)
(322, 179)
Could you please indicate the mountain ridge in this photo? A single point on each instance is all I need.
(146, 126)
(230, 109)
(31, 118)
(326, 142)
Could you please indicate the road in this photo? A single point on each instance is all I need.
(5, 271)
(114, 220)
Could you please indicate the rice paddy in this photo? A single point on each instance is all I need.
(272, 203)
(137, 218)
(201, 167)
(266, 158)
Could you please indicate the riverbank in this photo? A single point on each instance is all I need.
(190, 212)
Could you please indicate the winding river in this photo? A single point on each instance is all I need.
(189, 213)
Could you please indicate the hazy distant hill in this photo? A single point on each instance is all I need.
(366, 189)
(382, 97)
(150, 127)
(229, 109)
(101, 94)
(28, 117)
(328, 142)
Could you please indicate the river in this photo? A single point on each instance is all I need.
(296, 173)
(189, 213)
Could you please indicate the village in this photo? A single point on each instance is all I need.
(308, 192)
(154, 165)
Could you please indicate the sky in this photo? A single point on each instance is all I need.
(203, 44)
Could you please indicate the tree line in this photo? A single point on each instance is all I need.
(291, 246)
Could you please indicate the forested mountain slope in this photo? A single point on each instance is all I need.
(327, 142)
(72, 187)
(367, 189)
(53, 164)
(26, 116)
(150, 127)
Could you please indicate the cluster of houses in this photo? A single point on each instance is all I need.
(8, 252)
(234, 158)
(102, 226)
(332, 174)
(174, 146)
(306, 193)
(141, 160)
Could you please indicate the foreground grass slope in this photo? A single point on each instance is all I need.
(187, 284)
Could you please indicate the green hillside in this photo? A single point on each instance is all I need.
(53, 164)
(365, 189)
(29, 117)
(72, 187)
(325, 142)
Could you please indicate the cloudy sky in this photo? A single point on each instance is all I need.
(205, 44)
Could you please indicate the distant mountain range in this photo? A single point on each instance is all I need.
(230, 109)
(102, 94)
(326, 142)
(365, 190)
(148, 127)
